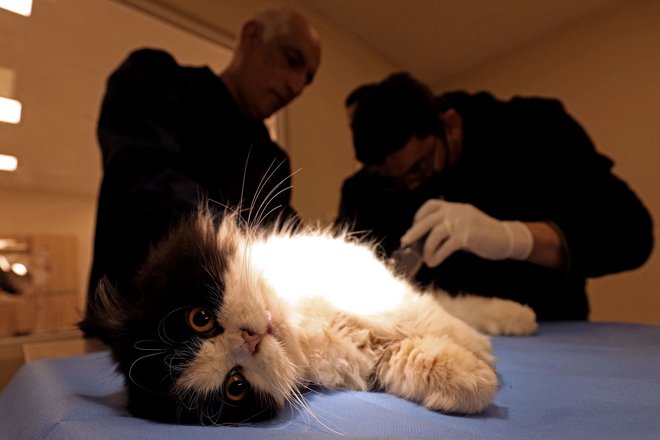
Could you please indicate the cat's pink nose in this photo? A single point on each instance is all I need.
(251, 339)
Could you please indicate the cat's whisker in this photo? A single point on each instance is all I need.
(290, 390)
(299, 401)
(272, 195)
(312, 389)
(169, 359)
(240, 209)
(287, 421)
(215, 290)
(245, 168)
(178, 355)
(264, 180)
(214, 417)
(190, 401)
(231, 211)
(137, 345)
(270, 172)
(130, 370)
(259, 217)
(274, 209)
(275, 191)
(187, 400)
(162, 333)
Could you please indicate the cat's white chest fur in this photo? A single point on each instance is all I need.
(345, 275)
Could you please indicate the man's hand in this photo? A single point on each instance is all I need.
(459, 226)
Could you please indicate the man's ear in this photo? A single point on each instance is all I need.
(251, 32)
(453, 126)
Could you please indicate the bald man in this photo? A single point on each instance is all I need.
(171, 134)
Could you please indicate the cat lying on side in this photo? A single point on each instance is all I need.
(227, 325)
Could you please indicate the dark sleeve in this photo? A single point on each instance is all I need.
(605, 225)
(146, 186)
(137, 132)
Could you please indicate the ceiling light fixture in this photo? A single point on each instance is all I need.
(10, 110)
(8, 163)
(22, 7)
(19, 269)
(5, 266)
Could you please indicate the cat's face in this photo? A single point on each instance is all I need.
(203, 339)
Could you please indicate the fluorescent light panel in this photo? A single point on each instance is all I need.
(22, 7)
(8, 163)
(10, 110)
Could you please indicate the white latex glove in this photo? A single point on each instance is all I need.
(460, 226)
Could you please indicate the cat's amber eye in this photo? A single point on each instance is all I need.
(236, 387)
(201, 320)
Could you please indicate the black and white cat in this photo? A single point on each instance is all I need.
(227, 325)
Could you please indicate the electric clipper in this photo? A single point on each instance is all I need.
(408, 259)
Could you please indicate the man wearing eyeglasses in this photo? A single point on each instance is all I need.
(509, 199)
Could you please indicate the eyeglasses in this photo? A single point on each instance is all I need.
(417, 173)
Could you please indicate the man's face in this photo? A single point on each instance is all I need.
(414, 163)
(277, 70)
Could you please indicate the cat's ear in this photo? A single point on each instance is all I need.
(106, 317)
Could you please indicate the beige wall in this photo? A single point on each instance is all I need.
(319, 140)
(606, 70)
(80, 49)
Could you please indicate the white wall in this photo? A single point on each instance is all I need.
(606, 70)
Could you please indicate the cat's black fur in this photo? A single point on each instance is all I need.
(146, 329)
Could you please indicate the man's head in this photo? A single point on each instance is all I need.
(277, 56)
(400, 133)
(393, 111)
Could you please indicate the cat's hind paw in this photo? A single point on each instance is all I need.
(491, 316)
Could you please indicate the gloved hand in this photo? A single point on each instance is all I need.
(459, 226)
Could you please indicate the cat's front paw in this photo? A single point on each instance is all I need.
(438, 373)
